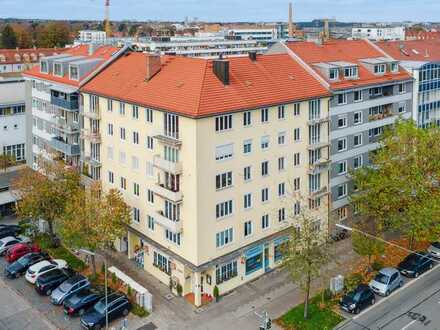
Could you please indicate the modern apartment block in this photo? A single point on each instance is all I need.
(370, 91)
(53, 96)
(421, 58)
(212, 156)
(377, 33)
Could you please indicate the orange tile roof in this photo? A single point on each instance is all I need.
(103, 52)
(421, 35)
(349, 51)
(189, 87)
(412, 50)
(26, 55)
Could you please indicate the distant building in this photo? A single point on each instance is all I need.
(259, 34)
(411, 34)
(92, 36)
(19, 60)
(377, 33)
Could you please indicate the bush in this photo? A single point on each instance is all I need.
(129, 291)
(102, 268)
(377, 265)
(216, 293)
(139, 311)
(114, 278)
(179, 289)
(352, 281)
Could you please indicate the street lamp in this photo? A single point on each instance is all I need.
(90, 253)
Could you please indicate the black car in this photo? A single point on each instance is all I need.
(20, 266)
(6, 231)
(49, 281)
(118, 305)
(415, 264)
(358, 299)
(81, 301)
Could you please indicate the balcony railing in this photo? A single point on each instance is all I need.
(319, 165)
(161, 190)
(318, 145)
(161, 220)
(166, 139)
(92, 115)
(62, 146)
(71, 104)
(166, 165)
(319, 120)
(62, 126)
(318, 193)
(92, 135)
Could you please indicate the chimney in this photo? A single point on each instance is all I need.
(253, 56)
(153, 65)
(290, 24)
(221, 70)
(92, 48)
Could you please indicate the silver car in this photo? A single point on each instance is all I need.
(434, 249)
(69, 287)
(386, 281)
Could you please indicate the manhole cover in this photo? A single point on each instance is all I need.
(169, 296)
(149, 326)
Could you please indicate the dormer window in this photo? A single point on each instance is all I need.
(333, 74)
(379, 68)
(351, 72)
(44, 67)
(74, 73)
(58, 69)
(394, 67)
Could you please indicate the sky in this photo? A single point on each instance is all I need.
(226, 10)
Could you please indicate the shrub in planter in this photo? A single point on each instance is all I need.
(352, 281)
(114, 278)
(129, 291)
(377, 265)
(179, 289)
(216, 293)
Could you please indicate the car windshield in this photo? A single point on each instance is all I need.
(75, 299)
(23, 260)
(65, 287)
(412, 259)
(381, 278)
(354, 295)
(100, 307)
(436, 245)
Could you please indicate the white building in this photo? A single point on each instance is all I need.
(92, 36)
(263, 34)
(378, 33)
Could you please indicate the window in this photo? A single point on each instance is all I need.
(122, 108)
(296, 135)
(296, 109)
(134, 163)
(357, 118)
(357, 140)
(58, 69)
(247, 146)
(265, 168)
(223, 209)
(247, 228)
(15, 151)
(247, 201)
(281, 138)
(402, 88)
(109, 105)
(224, 237)
(223, 180)
(44, 67)
(264, 115)
(281, 112)
(342, 122)
(247, 173)
(225, 272)
(281, 163)
(150, 222)
(296, 184)
(110, 129)
(379, 68)
(296, 159)
(342, 213)
(135, 112)
(376, 91)
(172, 237)
(265, 221)
(394, 67)
(296, 208)
(74, 73)
(333, 74)
(122, 133)
(351, 72)
(148, 115)
(341, 167)
(342, 190)
(122, 157)
(357, 162)
(314, 182)
(136, 214)
(135, 137)
(342, 98)
(123, 183)
(281, 214)
(342, 144)
(110, 152)
(357, 96)
(402, 107)
(223, 123)
(150, 143)
(247, 119)
(264, 195)
(281, 189)
(136, 189)
(149, 169)
(150, 196)
(111, 177)
(162, 262)
(224, 151)
(265, 142)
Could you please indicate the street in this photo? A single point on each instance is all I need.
(415, 306)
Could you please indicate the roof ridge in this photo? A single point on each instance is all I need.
(199, 101)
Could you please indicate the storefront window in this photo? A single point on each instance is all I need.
(225, 272)
(280, 245)
(162, 262)
(254, 259)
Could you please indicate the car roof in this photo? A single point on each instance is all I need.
(388, 271)
(114, 296)
(8, 239)
(76, 278)
(362, 287)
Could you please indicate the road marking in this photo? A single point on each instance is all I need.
(409, 324)
(406, 285)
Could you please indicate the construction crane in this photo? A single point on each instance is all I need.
(107, 27)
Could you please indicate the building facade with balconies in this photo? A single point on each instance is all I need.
(370, 92)
(212, 156)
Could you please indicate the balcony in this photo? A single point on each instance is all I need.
(318, 145)
(161, 220)
(62, 126)
(318, 166)
(165, 165)
(92, 115)
(319, 193)
(320, 120)
(62, 146)
(69, 104)
(92, 135)
(169, 140)
(161, 190)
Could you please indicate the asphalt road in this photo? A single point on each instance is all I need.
(414, 306)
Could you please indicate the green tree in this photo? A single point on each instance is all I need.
(366, 246)
(6, 161)
(8, 37)
(24, 38)
(133, 30)
(94, 220)
(401, 188)
(54, 34)
(44, 194)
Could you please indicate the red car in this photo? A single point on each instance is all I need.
(19, 250)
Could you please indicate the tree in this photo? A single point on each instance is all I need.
(366, 246)
(24, 38)
(401, 188)
(133, 30)
(8, 37)
(54, 34)
(306, 253)
(44, 194)
(6, 161)
(94, 220)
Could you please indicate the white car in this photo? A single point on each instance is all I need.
(43, 267)
(10, 241)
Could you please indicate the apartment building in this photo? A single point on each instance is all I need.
(91, 36)
(421, 58)
(370, 91)
(19, 60)
(210, 154)
(377, 33)
(52, 94)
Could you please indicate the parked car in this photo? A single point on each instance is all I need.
(20, 266)
(386, 281)
(358, 299)
(118, 305)
(7, 230)
(81, 301)
(7, 242)
(434, 249)
(68, 287)
(43, 267)
(415, 264)
(19, 250)
(50, 280)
